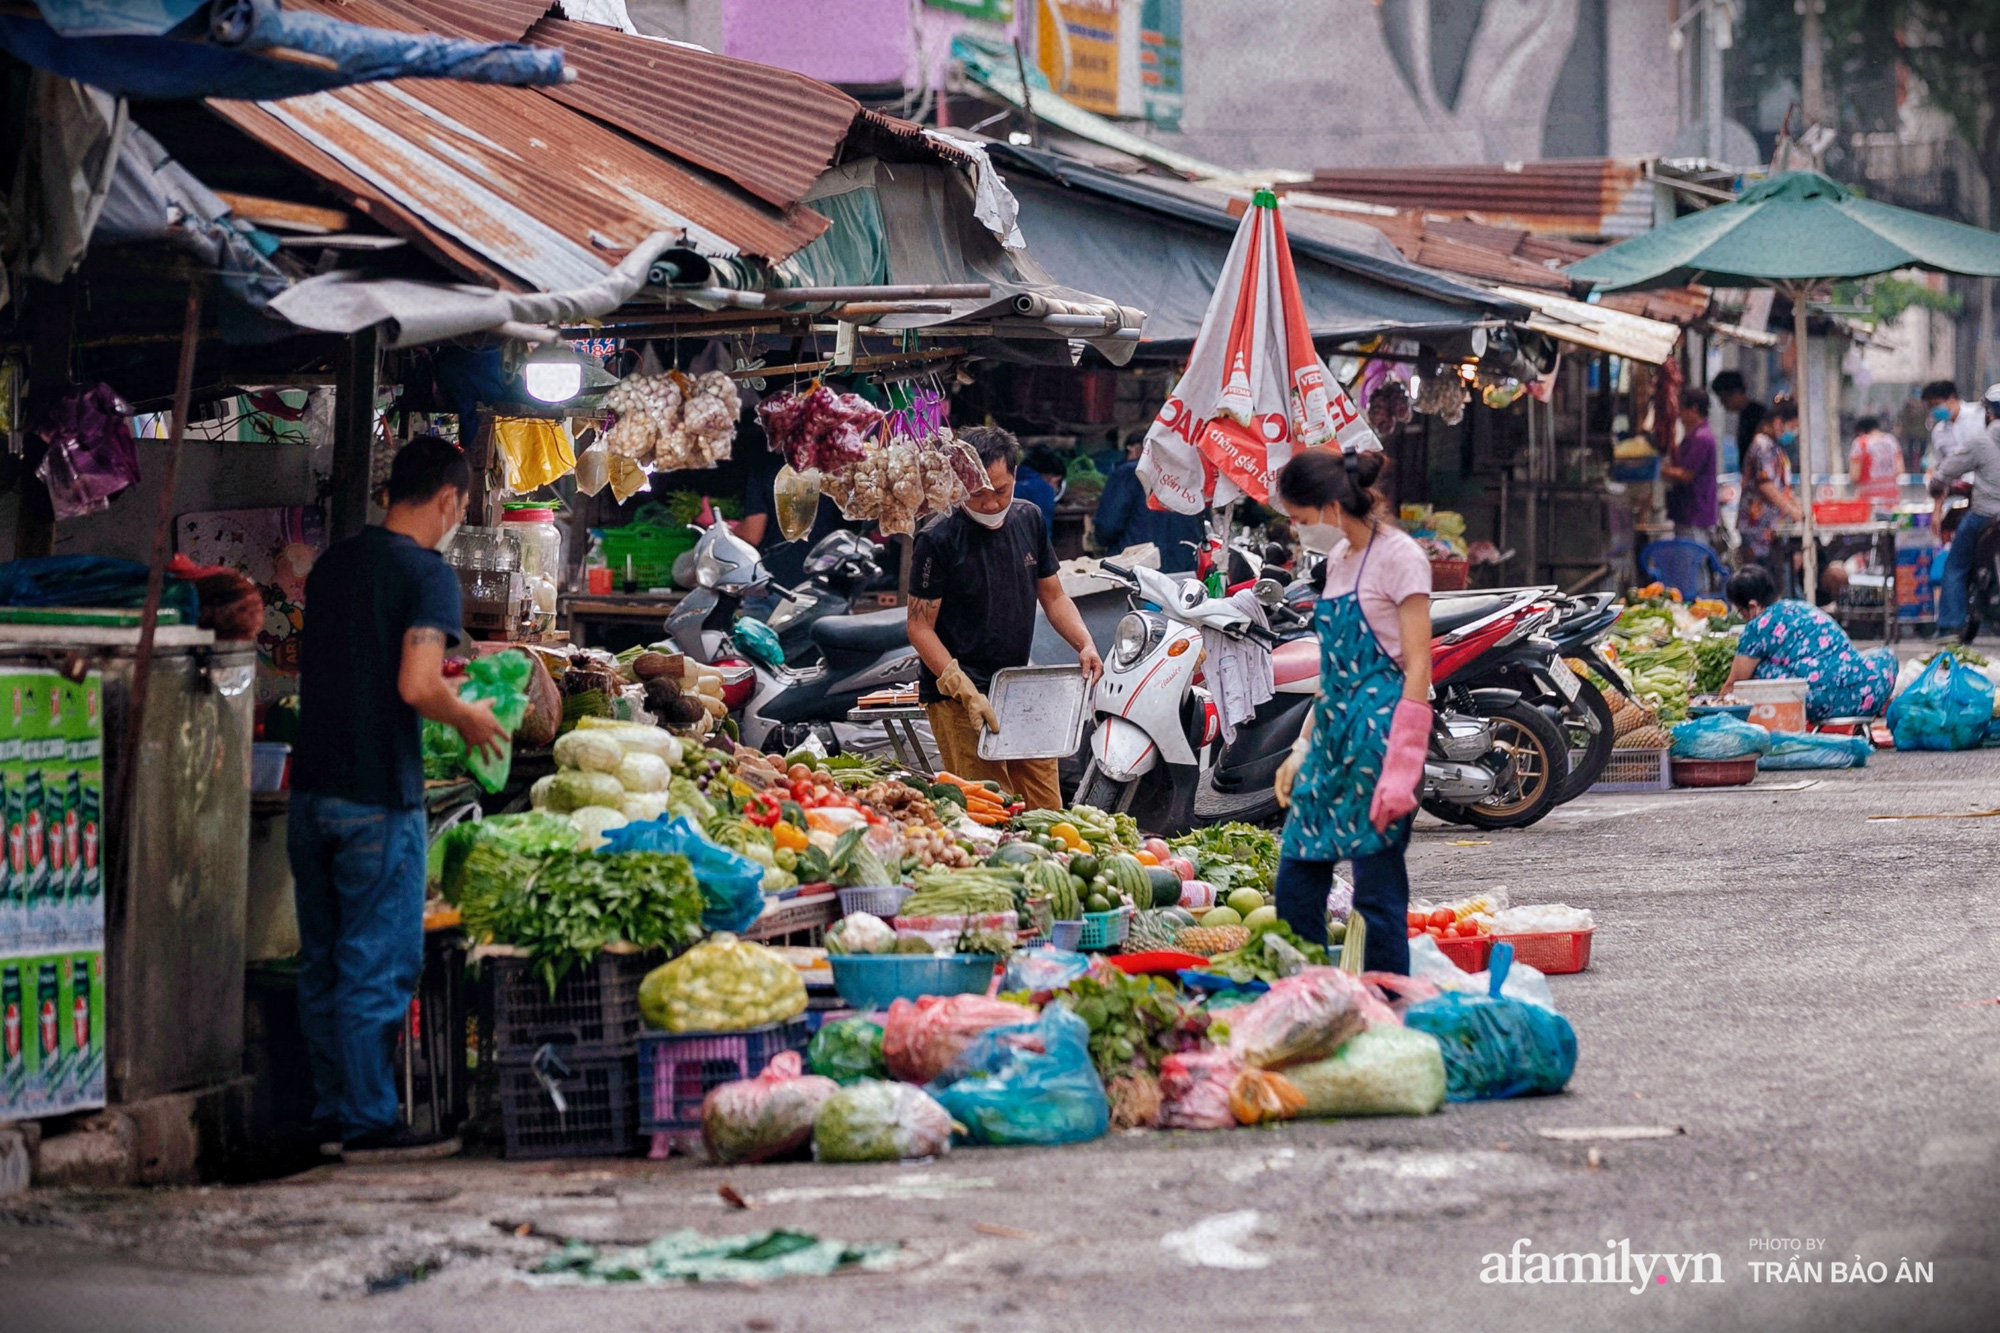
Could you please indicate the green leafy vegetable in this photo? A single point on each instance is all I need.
(1232, 856)
(1273, 951)
(571, 905)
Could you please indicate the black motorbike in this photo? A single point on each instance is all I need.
(840, 566)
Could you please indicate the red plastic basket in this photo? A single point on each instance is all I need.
(1843, 511)
(1449, 575)
(1715, 772)
(1468, 951)
(1553, 952)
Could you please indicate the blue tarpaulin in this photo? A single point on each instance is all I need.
(249, 49)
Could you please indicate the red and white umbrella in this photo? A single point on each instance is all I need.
(1254, 391)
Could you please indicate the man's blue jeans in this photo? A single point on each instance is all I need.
(358, 880)
(1953, 597)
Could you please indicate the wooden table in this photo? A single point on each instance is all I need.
(626, 610)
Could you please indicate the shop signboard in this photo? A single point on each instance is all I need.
(51, 893)
(1160, 62)
(1076, 44)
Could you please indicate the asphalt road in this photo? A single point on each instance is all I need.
(1809, 994)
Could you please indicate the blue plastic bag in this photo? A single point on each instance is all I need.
(1043, 968)
(1800, 750)
(1494, 1046)
(732, 886)
(1948, 707)
(1005, 1091)
(1719, 736)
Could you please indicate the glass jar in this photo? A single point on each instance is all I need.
(541, 544)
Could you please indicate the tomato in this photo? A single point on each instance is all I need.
(1435, 932)
(798, 772)
(1468, 930)
(1442, 916)
(1414, 932)
(1417, 919)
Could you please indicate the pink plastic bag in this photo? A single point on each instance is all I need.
(1195, 1088)
(757, 1119)
(1302, 1017)
(91, 456)
(1402, 991)
(921, 1038)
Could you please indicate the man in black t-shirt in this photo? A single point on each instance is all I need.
(977, 576)
(380, 608)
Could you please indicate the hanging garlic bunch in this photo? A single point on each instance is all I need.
(648, 409)
(1442, 395)
(708, 418)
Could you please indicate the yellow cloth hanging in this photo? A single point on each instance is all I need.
(536, 451)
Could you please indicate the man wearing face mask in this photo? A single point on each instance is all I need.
(381, 607)
(1954, 424)
(977, 575)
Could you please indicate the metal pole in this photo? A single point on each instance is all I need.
(1810, 552)
(156, 573)
(1712, 19)
(1027, 98)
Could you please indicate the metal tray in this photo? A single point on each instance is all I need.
(1041, 709)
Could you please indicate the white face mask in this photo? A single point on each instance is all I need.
(1319, 538)
(986, 520)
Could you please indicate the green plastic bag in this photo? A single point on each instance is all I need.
(503, 678)
(848, 1050)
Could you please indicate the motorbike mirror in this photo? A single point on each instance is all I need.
(1269, 592)
(1193, 593)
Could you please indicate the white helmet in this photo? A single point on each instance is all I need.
(1992, 397)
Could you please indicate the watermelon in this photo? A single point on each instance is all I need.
(1048, 880)
(1017, 853)
(1166, 887)
(1123, 874)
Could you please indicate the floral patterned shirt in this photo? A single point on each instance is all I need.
(1791, 640)
(1757, 516)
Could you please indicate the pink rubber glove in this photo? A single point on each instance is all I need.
(1402, 765)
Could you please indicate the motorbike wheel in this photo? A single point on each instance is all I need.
(1540, 750)
(1591, 736)
(1103, 792)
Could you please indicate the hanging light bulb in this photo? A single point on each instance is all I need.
(553, 373)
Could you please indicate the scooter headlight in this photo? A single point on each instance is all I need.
(1128, 642)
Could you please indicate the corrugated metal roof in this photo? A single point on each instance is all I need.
(768, 129)
(488, 20)
(533, 188)
(1598, 327)
(1584, 197)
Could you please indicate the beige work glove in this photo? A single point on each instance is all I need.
(1288, 772)
(953, 684)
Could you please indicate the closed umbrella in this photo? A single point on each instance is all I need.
(1793, 232)
(1254, 391)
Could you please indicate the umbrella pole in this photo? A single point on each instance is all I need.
(1803, 396)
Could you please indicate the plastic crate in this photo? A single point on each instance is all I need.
(883, 901)
(1635, 770)
(1449, 575)
(599, 1118)
(1470, 952)
(872, 982)
(653, 551)
(594, 1013)
(1554, 952)
(806, 914)
(1105, 930)
(1843, 511)
(1715, 772)
(677, 1069)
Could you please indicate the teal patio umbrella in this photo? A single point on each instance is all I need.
(1794, 232)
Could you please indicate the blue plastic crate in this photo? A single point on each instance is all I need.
(677, 1069)
(872, 981)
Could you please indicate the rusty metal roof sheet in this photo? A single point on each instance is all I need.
(769, 130)
(1584, 198)
(532, 188)
(488, 20)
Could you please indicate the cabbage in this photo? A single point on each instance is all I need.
(572, 790)
(635, 739)
(684, 798)
(592, 751)
(538, 795)
(593, 821)
(640, 771)
(640, 807)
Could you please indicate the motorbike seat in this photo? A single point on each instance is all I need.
(1294, 660)
(1458, 612)
(872, 632)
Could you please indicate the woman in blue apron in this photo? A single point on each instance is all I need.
(1352, 779)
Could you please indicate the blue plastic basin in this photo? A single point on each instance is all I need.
(872, 981)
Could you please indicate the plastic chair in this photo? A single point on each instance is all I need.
(1681, 566)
